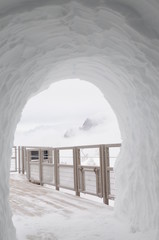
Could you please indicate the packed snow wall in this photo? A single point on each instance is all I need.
(114, 45)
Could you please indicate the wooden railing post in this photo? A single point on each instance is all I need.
(106, 156)
(28, 163)
(103, 166)
(15, 148)
(56, 168)
(76, 162)
(23, 156)
(19, 158)
(41, 166)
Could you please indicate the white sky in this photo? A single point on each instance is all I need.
(65, 105)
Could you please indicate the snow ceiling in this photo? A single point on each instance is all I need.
(113, 44)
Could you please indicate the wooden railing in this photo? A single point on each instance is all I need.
(83, 169)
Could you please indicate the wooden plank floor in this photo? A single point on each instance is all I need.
(44, 213)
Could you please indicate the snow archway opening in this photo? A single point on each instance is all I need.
(70, 112)
(115, 48)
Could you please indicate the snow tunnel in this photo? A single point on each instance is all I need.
(112, 44)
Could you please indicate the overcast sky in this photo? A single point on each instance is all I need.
(65, 105)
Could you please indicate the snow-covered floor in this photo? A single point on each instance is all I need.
(43, 213)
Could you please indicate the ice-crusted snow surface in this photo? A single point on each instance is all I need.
(114, 45)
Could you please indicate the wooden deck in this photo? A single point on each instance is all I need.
(43, 213)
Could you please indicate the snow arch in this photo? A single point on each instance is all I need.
(109, 44)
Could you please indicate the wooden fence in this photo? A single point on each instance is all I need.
(83, 169)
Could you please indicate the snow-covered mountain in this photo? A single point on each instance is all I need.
(88, 124)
